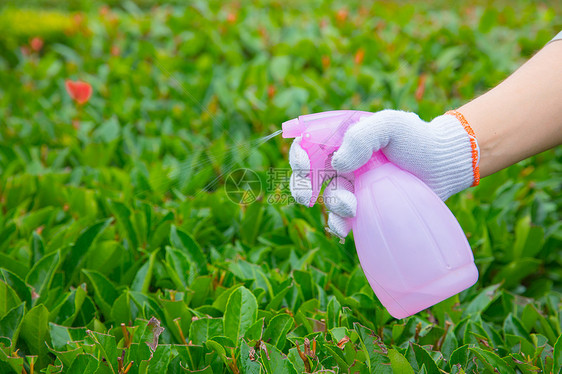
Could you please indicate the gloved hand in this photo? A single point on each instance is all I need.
(442, 153)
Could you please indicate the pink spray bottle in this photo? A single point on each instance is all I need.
(410, 246)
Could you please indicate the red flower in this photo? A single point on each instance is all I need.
(359, 56)
(342, 14)
(115, 51)
(36, 44)
(104, 10)
(271, 91)
(79, 91)
(326, 61)
(231, 17)
(421, 87)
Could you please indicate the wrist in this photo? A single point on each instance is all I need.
(450, 167)
(474, 147)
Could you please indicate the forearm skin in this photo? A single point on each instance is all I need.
(522, 116)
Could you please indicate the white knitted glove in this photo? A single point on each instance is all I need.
(441, 153)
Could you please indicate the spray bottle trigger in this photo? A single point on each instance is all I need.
(319, 169)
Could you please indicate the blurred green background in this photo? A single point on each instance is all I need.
(114, 212)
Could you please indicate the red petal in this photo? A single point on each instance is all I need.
(359, 56)
(421, 87)
(79, 91)
(36, 44)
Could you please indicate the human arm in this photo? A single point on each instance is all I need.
(522, 116)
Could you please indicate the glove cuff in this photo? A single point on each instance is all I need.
(473, 144)
(453, 157)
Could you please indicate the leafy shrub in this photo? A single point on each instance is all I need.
(22, 24)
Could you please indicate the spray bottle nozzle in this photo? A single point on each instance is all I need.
(322, 134)
(292, 128)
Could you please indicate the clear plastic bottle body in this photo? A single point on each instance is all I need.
(411, 248)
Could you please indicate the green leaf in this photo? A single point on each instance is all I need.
(475, 332)
(142, 279)
(463, 357)
(558, 355)
(108, 131)
(203, 329)
(255, 331)
(123, 215)
(191, 356)
(35, 330)
(220, 302)
(336, 353)
(512, 273)
(14, 266)
(37, 246)
(8, 298)
(333, 313)
(450, 344)
(279, 67)
(492, 361)
(83, 244)
(356, 281)
(123, 309)
(9, 363)
(241, 313)
(417, 357)
(532, 318)
(160, 360)
(448, 307)
(399, 363)
(107, 347)
(42, 273)
(62, 335)
(147, 306)
(488, 20)
(305, 284)
(248, 365)
(519, 344)
(275, 362)
(201, 287)
(179, 264)
(189, 246)
(69, 307)
(11, 322)
(481, 302)
(529, 239)
(177, 311)
(84, 364)
(104, 291)
(278, 298)
(17, 284)
(371, 345)
(65, 357)
(247, 271)
(250, 225)
(512, 325)
(339, 333)
(218, 349)
(303, 313)
(277, 330)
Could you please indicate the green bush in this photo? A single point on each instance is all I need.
(121, 251)
(22, 24)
